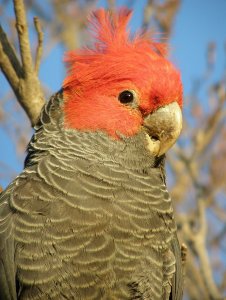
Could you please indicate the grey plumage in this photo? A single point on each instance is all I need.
(89, 218)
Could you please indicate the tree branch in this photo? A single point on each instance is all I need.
(200, 247)
(8, 69)
(39, 49)
(10, 52)
(205, 135)
(23, 79)
(22, 30)
(198, 241)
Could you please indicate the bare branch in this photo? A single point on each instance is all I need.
(165, 14)
(198, 241)
(111, 4)
(194, 281)
(200, 247)
(184, 250)
(8, 70)
(10, 52)
(148, 13)
(39, 49)
(205, 135)
(22, 30)
(23, 79)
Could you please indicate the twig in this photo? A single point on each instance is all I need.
(205, 135)
(198, 240)
(8, 69)
(194, 280)
(184, 250)
(203, 255)
(22, 30)
(148, 14)
(165, 15)
(10, 52)
(39, 49)
(111, 4)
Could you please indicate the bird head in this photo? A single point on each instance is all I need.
(123, 86)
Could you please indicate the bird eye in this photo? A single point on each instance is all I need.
(126, 97)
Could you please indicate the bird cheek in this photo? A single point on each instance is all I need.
(130, 124)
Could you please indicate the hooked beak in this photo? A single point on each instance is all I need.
(163, 127)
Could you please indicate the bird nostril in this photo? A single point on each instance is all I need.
(154, 138)
(156, 100)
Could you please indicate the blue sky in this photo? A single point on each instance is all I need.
(197, 23)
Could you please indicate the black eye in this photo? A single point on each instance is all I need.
(126, 97)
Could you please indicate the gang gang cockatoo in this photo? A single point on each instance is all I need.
(90, 216)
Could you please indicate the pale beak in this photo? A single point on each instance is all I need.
(163, 127)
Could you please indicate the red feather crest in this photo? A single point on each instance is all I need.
(111, 37)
